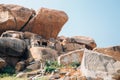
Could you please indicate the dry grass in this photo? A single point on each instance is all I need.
(12, 78)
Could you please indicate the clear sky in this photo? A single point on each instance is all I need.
(99, 19)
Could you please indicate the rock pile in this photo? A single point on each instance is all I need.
(45, 22)
(29, 42)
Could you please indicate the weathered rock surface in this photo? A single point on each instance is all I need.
(20, 66)
(11, 60)
(7, 19)
(43, 54)
(98, 65)
(89, 42)
(47, 23)
(70, 57)
(29, 35)
(14, 17)
(34, 66)
(113, 51)
(72, 46)
(58, 46)
(2, 63)
(14, 34)
(12, 46)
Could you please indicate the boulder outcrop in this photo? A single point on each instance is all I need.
(47, 22)
(113, 51)
(87, 41)
(14, 17)
(71, 57)
(12, 46)
(43, 54)
(29, 41)
(97, 65)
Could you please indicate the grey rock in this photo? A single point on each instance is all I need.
(72, 46)
(70, 57)
(12, 46)
(96, 64)
(113, 51)
(43, 54)
(14, 34)
(89, 42)
(34, 66)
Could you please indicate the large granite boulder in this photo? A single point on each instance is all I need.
(7, 19)
(113, 51)
(12, 46)
(71, 57)
(83, 40)
(43, 54)
(14, 17)
(47, 22)
(97, 65)
(72, 46)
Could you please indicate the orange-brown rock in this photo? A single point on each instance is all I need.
(47, 23)
(14, 17)
(7, 20)
(111, 51)
(20, 66)
(2, 63)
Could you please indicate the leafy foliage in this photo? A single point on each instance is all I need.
(51, 66)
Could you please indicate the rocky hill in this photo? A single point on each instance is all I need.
(30, 44)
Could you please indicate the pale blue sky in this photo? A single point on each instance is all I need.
(99, 19)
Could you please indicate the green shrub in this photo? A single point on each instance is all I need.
(7, 71)
(51, 66)
(50, 69)
(75, 64)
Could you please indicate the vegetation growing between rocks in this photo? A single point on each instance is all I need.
(7, 71)
(75, 64)
(52, 66)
